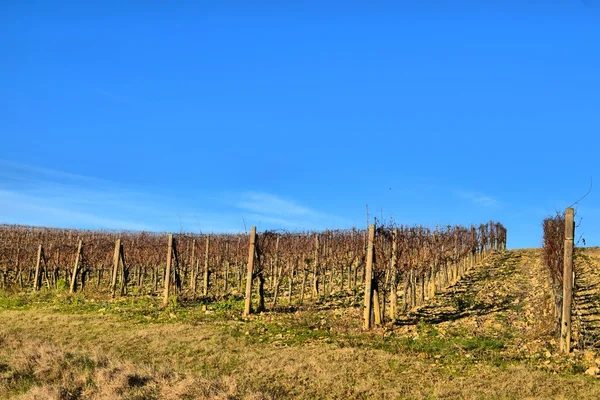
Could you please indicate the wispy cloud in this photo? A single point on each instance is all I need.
(478, 198)
(24, 209)
(265, 203)
(15, 171)
(34, 195)
(275, 210)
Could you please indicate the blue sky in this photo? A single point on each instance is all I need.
(216, 116)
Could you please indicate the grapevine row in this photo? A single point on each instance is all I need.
(290, 268)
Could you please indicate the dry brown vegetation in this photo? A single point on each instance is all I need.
(553, 254)
(487, 336)
(305, 264)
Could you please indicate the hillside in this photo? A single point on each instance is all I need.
(488, 336)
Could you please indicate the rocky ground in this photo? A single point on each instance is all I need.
(586, 300)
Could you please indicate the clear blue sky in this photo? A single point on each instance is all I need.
(208, 116)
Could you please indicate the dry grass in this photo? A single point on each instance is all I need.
(58, 354)
(45, 371)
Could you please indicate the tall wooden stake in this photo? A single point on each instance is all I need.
(168, 271)
(206, 277)
(76, 267)
(36, 279)
(369, 278)
(124, 271)
(251, 251)
(116, 258)
(394, 280)
(376, 304)
(316, 268)
(193, 270)
(565, 327)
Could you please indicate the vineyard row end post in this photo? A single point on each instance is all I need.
(116, 258)
(168, 271)
(76, 267)
(36, 282)
(369, 278)
(565, 326)
(250, 271)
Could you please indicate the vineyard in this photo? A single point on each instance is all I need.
(290, 268)
(384, 312)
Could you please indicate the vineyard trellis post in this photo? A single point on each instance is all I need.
(36, 279)
(206, 271)
(473, 255)
(44, 259)
(394, 278)
(176, 269)
(369, 278)
(76, 267)
(193, 269)
(250, 271)
(168, 270)
(124, 271)
(251, 253)
(316, 267)
(565, 327)
(56, 273)
(116, 259)
(226, 267)
(291, 280)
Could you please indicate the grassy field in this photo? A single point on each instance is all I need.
(489, 336)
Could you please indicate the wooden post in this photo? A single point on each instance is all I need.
(565, 327)
(422, 284)
(196, 270)
(473, 253)
(45, 269)
(168, 270)
(193, 270)
(250, 271)
(394, 279)
(116, 258)
(238, 266)
(124, 271)
(316, 267)
(302, 288)
(76, 268)
(376, 304)
(261, 290)
(206, 277)
(369, 278)
(36, 279)
(413, 287)
(291, 280)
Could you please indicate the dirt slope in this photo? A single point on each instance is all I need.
(505, 296)
(586, 302)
